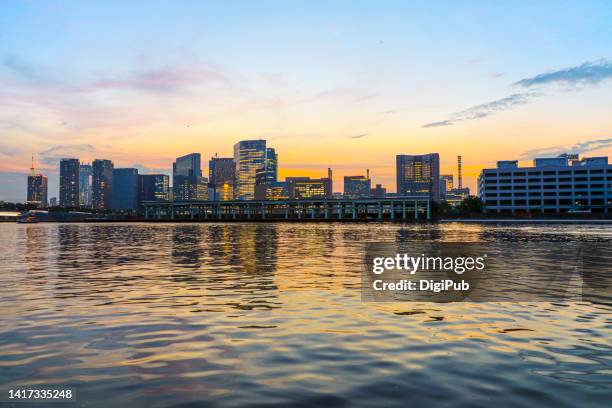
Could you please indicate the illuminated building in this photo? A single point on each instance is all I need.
(187, 181)
(37, 188)
(102, 184)
(446, 184)
(274, 190)
(221, 175)
(125, 189)
(85, 175)
(266, 175)
(418, 175)
(249, 156)
(153, 187)
(305, 187)
(69, 183)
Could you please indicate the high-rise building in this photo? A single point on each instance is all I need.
(446, 184)
(221, 175)
(249, 156)
(153, 187)
(69, 183)
(102, 184)
(53, 202)
(37, 188)
(267, 175)
(85, 175)
(552, 185)
(125, 189)
(357, 186)
(418, 175)
(187, 181)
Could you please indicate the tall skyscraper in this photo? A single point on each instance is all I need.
(249, 156)
(102, 184)
(85, 175)
(357, 186)
(69, 183)
(125, 189)
(418, 175)
(187, 181)
(221, 175)
(37, 188)
(153, 187)
(267, 175)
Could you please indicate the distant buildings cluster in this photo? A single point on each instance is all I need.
(251, 174)
(552, 185)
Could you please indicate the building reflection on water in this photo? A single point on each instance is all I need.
(228, 314)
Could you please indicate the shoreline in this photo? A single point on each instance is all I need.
(331, 220)
(525, 221)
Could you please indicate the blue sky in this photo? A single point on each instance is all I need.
(341, 84)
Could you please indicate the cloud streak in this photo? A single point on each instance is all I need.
(580, 148)
(589, 73)
(485, 109)
(360, 136)
(53, 154)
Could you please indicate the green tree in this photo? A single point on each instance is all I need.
(471, 205)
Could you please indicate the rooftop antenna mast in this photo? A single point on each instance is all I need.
(459, 180)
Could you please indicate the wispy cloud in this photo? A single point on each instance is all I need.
(589, 73)
(362, 135)
(20, 67)
(580, 148)
(53, 154)
(485, 109)
(168, 79)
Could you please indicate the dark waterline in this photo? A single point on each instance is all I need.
(264, 314)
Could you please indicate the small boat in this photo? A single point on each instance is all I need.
(27, 220)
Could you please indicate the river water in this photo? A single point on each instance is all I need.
(271, 313)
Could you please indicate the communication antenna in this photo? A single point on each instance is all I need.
(459, 180)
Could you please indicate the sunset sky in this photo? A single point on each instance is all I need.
(341, 84)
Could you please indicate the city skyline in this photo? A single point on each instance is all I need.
(368, 80)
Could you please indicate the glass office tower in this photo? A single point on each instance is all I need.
(69, 183)
(153, 187)
(125, 189)
(102, 184)
(187, 181)
(249, 157)
(85, 175)
(221, 175)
